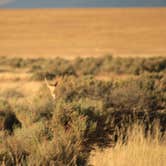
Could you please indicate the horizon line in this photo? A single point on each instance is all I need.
(113, 7)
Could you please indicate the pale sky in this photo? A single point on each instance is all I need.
(79, 3)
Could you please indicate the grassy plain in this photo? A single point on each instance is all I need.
(98, 99)
(70, 33)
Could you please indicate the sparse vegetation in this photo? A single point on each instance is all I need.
(106, 65)
(86, 112)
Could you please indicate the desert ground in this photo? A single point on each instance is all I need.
(71, 33)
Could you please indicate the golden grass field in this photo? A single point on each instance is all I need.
(138, 152)
(71, 33)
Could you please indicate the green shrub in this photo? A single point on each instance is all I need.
(4, 105)
(135, 95)
(73, 88)
(12, 93)
(43, 105)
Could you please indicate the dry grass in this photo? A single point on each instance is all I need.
(14, 76)
(27, 88)
(70, 33)
(19, 80)
(118, 77)
(138, 152)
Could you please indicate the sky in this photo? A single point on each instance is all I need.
(80, 3)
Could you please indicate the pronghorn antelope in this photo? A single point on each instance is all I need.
(52, 87)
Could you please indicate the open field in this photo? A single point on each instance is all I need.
(70, 33)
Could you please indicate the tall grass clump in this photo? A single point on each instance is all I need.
(138, 151)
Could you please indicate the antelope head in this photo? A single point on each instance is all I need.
(51, 87)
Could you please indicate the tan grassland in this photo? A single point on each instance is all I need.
(138, 152)
(70, 33)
